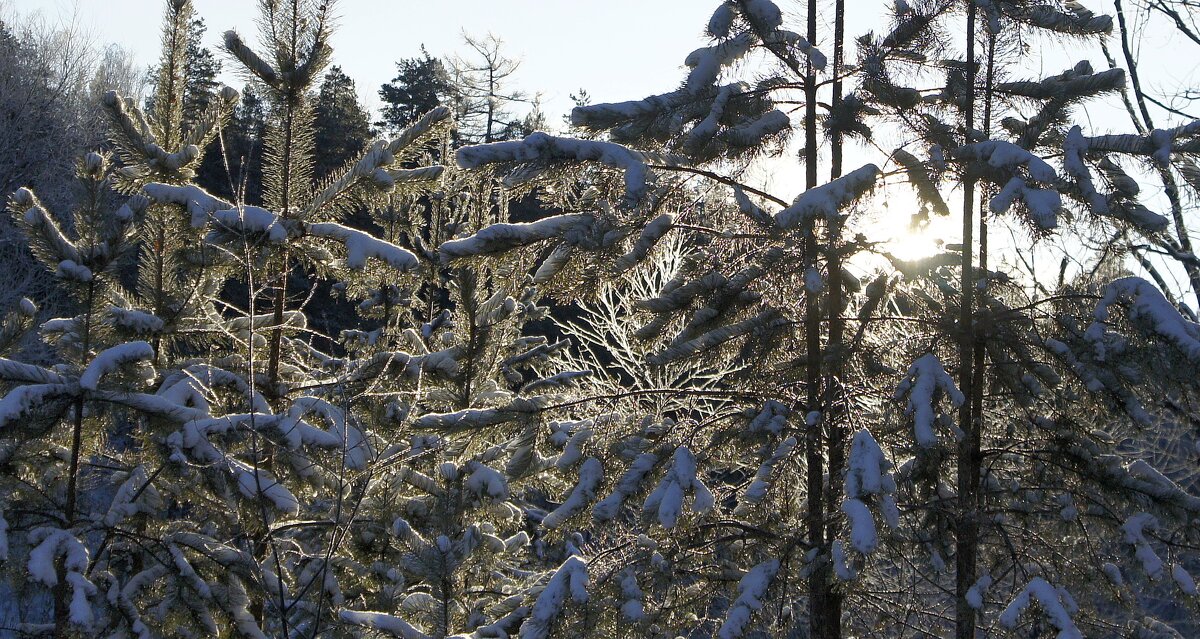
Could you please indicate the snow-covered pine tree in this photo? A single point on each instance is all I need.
(1007, 364)
(205, 457)
(733, 300)
(1014, 359)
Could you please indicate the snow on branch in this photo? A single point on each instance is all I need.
(361, 245)
(827, 200)
(926, 377)
(201, 205)
(666, 500)
(113, 358)
(1075, 149)
(606, 509)
(13, 371)
(591, 473)
(1056, 603)
(22, 400)
(1006, 155)
(651, 234)
(1148, 306)
(751, 591)
(757, 490)
(253, 220)
(547, 148)
(198, 202)
(419, 129)
(766, 319)
(1077, 82)
(49, 545)
(135, 495)
(1080, 22)
(254, 482)
(1134, 533)
(382, 622)
(39, 222)
(473, 418)
(1043, 205)
(1158, 145)
(706, 62)
(868, 478)
(497, 238)
(570, 579)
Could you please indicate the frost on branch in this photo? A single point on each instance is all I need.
(925, 378)
(827, 201)
(1056, 604)
(666, 500)
(1151, 628)
(569, 580)
(542, 147)
(751, 590)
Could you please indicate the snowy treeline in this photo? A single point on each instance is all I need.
(681, 405)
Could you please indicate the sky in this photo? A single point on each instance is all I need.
(615, 49)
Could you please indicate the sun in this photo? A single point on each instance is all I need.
(887, 219)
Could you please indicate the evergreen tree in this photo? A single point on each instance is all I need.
(421, 85)
(760, 422)
(237, 175)
(721, 302)
(341, 126)
(200, 71)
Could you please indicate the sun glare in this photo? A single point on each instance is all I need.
(888, 220)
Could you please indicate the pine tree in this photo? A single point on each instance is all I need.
(1011, 361)
(755, 421)
(421, 85)
(341, 126)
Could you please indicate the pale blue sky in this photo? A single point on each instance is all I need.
(616, 49)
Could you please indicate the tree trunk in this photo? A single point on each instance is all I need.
(61, 594)
(819, 579)
(834, 394)
(966, 520)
